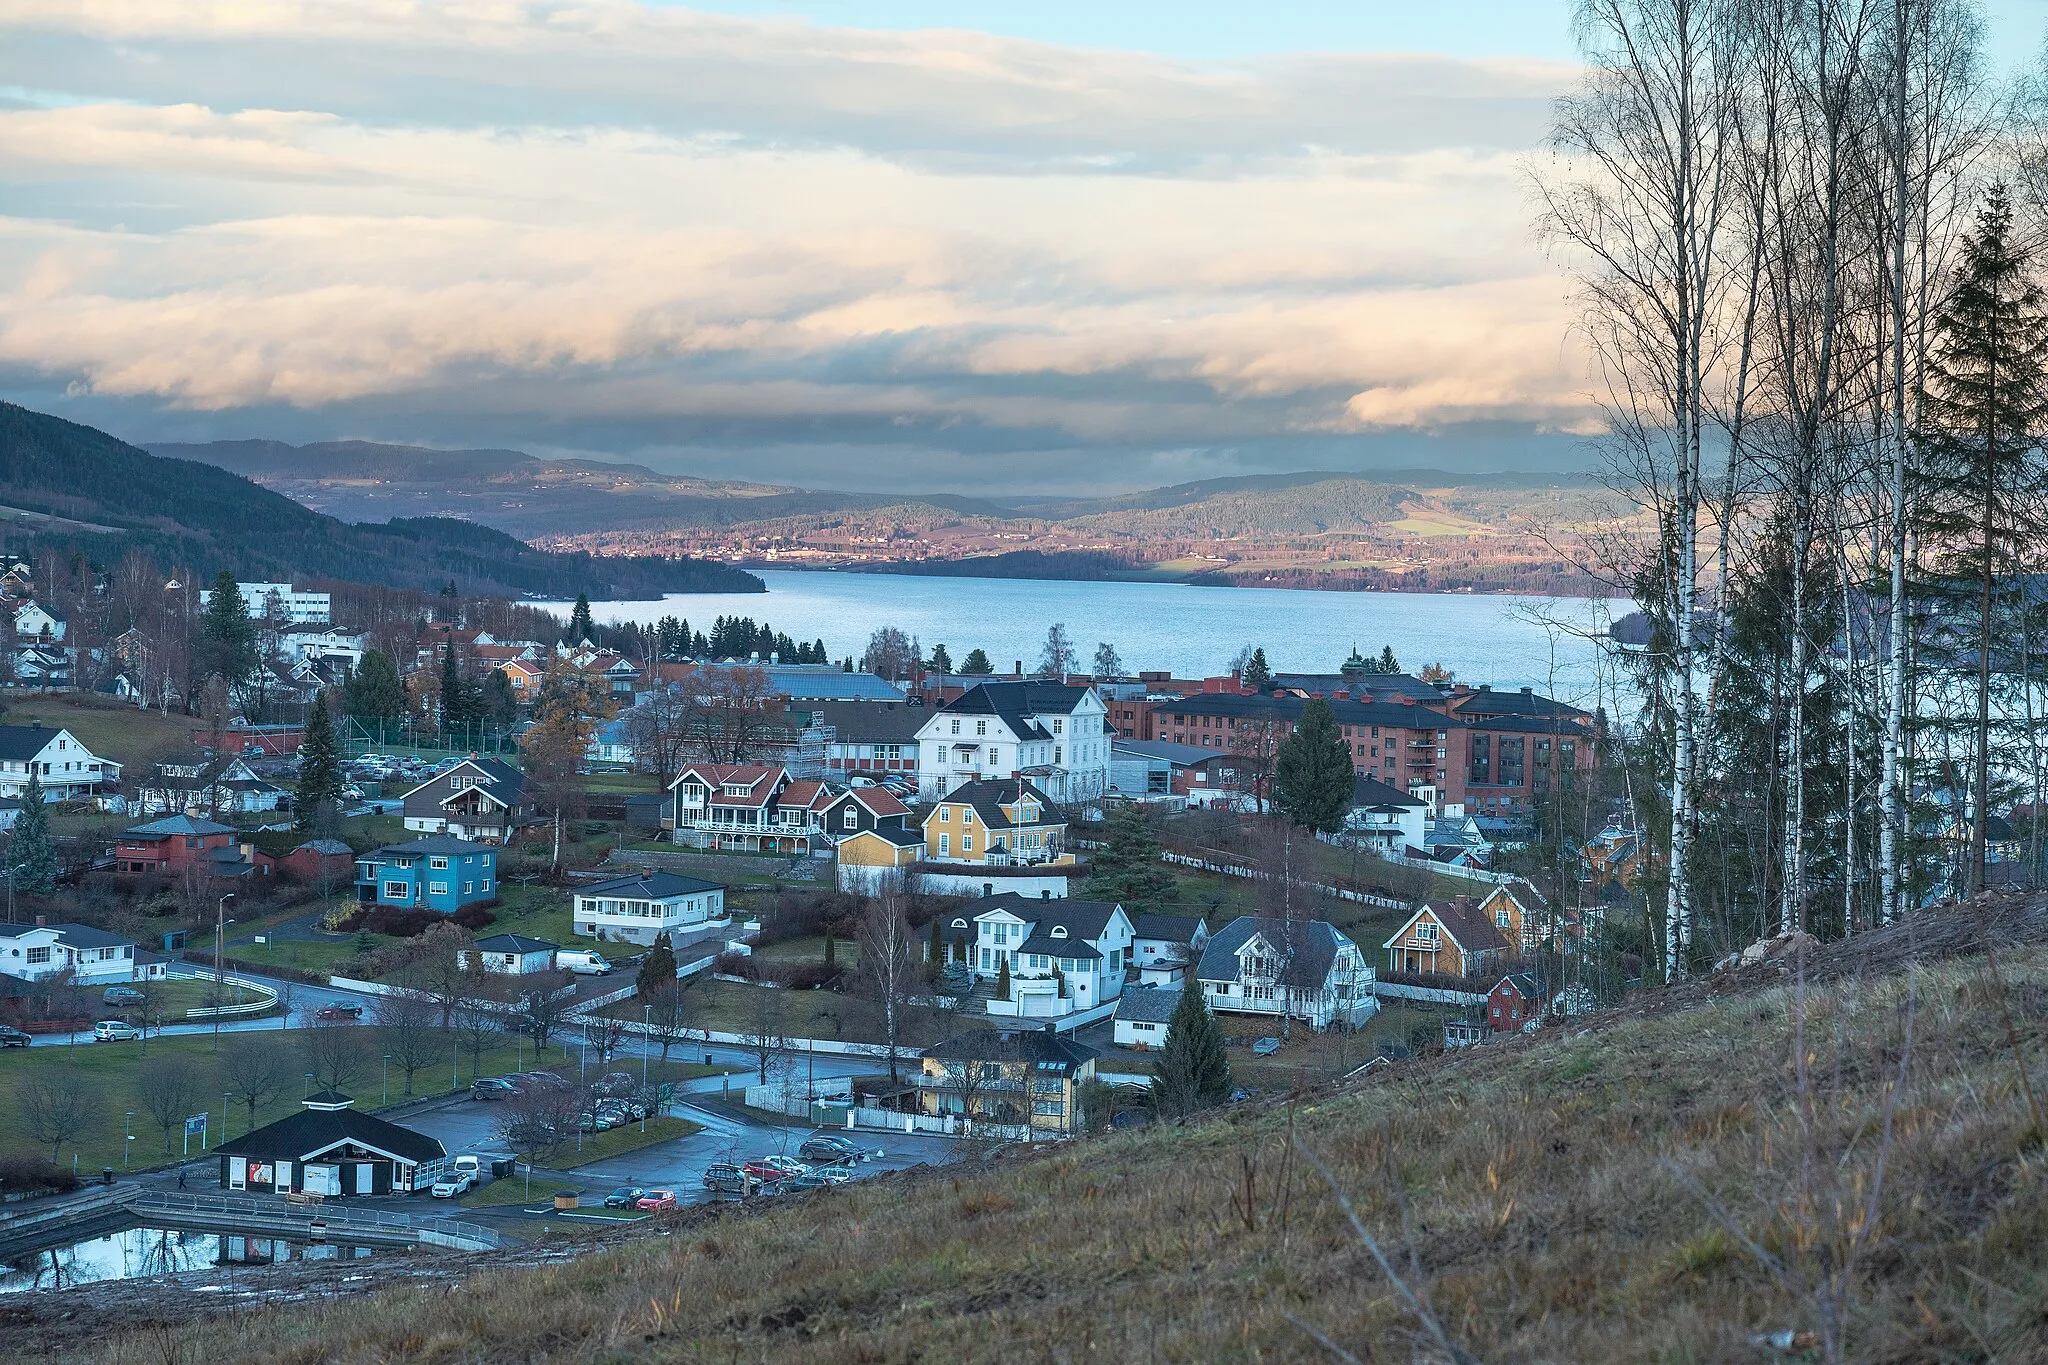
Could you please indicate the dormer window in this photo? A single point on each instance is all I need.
(1059, 931)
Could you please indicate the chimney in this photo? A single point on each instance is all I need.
(35, 723)
(1018, 668)
(42, 921)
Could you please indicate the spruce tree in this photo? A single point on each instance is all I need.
(977, 664)
(227, 636)
(942, 662)
(1003, 980)
(1312, 775)
(30, 849)
(1982, 479)
(455, 708)
(319, 766)
(1258, 675)
(935, 952)
(657, 969)
(581, 627)
(1193, 1072)
(374, 692)
(1388, 663)
(1127, 869)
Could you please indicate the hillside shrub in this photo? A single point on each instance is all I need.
(475, 916)
(25, 1173)
(742, 965)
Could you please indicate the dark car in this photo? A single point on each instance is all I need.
(491, 1088)
(13, 1037)
(624, 1197)
(725, 1177)
(123, 995)
(339, 1011)
(828, 1149)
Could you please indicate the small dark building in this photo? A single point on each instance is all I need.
(329, 1149)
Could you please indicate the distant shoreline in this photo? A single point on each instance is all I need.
(1349, 582)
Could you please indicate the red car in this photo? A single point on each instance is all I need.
(654, 1201)
(339, 1012)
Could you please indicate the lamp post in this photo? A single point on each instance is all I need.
(220, 930)
(306, 1090)
(646, 1027)
(127, 1137)
(225, 1096)
(10, 889)
(387, 1078)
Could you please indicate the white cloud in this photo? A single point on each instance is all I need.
(655, 216)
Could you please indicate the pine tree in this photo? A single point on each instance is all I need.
(1127, 869)
(1312, 775)
(498, 705)
(977, 664)
(942, 662)
(1193, 1071)
(831, 949)
(30, 849)
(657, 969)
(1003, 980)
(319, 786)
(581, 627)
(227, 635)
(1982, 480)
(818, 654)
(935, 952)
(1388, 663)
(1258, 675)
(373, 692)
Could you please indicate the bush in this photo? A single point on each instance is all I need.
(343, 919)
(800, 976)
(475, 916)
(741, 965)
(26, 1174)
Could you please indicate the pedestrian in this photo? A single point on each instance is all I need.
(181, 1177)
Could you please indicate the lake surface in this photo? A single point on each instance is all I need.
(1192, 631)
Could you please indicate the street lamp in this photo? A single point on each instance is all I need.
(220, 929)
(10, 889)
(127, 1137)
(225, 1096)
(646, 1028)
(306, 1090)
(387, 1078)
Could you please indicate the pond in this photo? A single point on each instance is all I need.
(143, 1253)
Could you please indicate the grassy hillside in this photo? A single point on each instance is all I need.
(1655, 1185)
(206, 519)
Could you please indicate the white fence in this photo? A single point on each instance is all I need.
(268, 996)
(949, 1125)
(1253, 874)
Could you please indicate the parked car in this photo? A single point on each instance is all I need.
(614, 1083)
(763, 1168)
(624, 1197)
(725, 1177)
(590, 1121)
(491, 1088)
(454, 1183)
(826, 1148)
(809, 1180)
(113, 1031)
(656, 1200)
(1265, 1047)
(122, 995)
(583, 963)
(13, 1037)
(339, 1011)
(546, 1078)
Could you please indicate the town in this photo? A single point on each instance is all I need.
(873, 887)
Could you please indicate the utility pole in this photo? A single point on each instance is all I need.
(220, 926)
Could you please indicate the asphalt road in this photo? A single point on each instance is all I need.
(305, 1002)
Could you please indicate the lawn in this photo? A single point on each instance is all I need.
(307, 955)
(618, 1141)
(113, 1073)
(811, 948)
(733, 1007)
(130, 736)
(180, 994)
(544, 912)
(624, 782)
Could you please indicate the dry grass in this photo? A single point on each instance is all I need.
(1602, 1193)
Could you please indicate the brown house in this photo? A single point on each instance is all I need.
(1450, 938)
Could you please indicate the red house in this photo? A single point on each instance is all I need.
(318, 858)
(170, 847)
(1514, 1002)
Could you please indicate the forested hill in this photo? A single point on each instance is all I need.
(109, 497)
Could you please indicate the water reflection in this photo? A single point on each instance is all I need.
(141, 1253)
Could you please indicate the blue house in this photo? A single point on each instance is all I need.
(439, 872)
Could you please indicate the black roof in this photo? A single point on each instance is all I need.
(1172, 928)
(1003, 1045)
(435, 843)
(1391, 684)
(1148, 1004)
(987, 794)
(867, 722)
(21, 742)
(72, 935)
(310, 1131)
(651, 885)
(1315, 948)
(1023, 698)
(1526, 701)
(1369, 792)
(177, 825)
(514, 943)
(1081, 919)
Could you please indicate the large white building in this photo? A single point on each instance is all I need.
(1049, 732)
(62, 766)
(299, 608)
(93, 957)
(1062, 956)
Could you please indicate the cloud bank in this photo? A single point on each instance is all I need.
(766, 247)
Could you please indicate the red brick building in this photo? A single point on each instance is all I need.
(1514, 1002)
(181, 843)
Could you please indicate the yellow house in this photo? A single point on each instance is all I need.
(1517, 910)
(1026, 1083)
(868, 858)
(1002, 823)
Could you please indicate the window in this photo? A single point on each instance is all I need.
(437, 888)
(438, 864)
(468, 887)
(945, 845)
(1427, 932)
(945, 815)
(1500, 918)
(956, 727)
(1058, 726)
(39, 955)
(966, 843)
(981, 727)
(398, 891)
(849, 818)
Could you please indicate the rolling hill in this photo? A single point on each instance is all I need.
(107, 497)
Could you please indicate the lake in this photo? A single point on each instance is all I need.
(1192, 631)
(142, 1253)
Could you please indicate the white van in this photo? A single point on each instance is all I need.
(583, 963)
(113, 1031)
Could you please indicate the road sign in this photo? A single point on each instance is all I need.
(666, 1093)
(196, 1124)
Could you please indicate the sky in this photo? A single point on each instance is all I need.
(942, 245)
